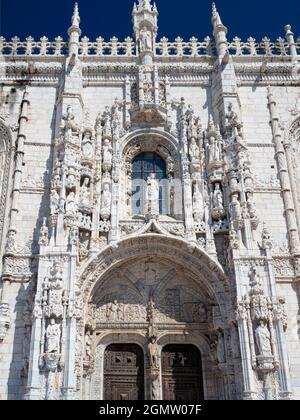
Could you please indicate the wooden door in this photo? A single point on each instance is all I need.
(123, 372)
(182, 373)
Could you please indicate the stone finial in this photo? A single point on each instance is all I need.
(144, 4)
(76, 17)
(216, 20)
(219, 32)
(74, 33)
(291, 41)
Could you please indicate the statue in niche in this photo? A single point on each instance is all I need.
(43, 240)
(106, 122)
(53, 334)
(152, 195)
(56, 181)
(251, 206)
(153, 353)
(263, 339)
(198, 205)
(71, 204)
(194, 151)
(85, 192)
(71, 181)
(54, 202)
(107, 152)
(117, 117)
(235, 209)
(145, 40)
(214, 150)
(87, 147)
(218, 197)
(106, 202)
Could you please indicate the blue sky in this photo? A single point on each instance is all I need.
(186, 18)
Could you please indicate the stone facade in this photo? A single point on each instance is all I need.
(212, 259)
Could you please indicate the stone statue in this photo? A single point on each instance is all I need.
(71, 204)
(56, 181)
(218, 197)
(43, 240)
(214, 150)
(152, 195)
(198, 205)
(107, 152)
(71, 181)
(87, 147)
(88, 344)
(70, 125)
(53, 334)
(106, 122)
(251, 207)
(153, 353)
(85, 193)
(231, 117)
(194, 151)
(145, 40)
(114, 312)
(235, 209)
(54, 202)
(106, 202)
(263, 339)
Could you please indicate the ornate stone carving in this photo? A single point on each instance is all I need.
(53, 334)
(152, 197)
(106, 203)
(4, 320)
(44, 233)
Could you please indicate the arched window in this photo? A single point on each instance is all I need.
(143, 166)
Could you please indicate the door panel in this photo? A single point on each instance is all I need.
(123, 372)
(182, 373)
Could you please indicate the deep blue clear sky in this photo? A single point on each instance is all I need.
(243, 18)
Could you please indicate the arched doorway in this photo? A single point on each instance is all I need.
(182, 378)
(124, 372)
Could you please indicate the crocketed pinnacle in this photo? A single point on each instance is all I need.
(76, 17)
(216, 20)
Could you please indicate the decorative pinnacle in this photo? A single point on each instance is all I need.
(76, 17)
(144, 5)
(214, 9)
(216, 20)
(288, 30)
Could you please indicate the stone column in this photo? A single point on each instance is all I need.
(69, 381)
(34, 384)
(19, 162)
(284, 177)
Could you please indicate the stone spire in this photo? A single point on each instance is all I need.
(144, 17)
(74, 32)
(220, 32)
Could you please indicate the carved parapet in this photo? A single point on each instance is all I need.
(4, 320)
